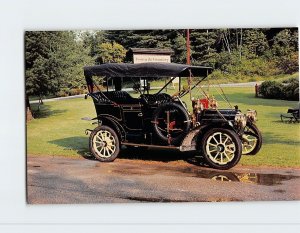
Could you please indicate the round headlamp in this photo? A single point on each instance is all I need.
(240, 120)
(251, 115)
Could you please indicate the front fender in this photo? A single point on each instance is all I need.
(189, 142)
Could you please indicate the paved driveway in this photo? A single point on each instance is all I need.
(79, 180)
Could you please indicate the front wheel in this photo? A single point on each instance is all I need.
(221, 148)
(252, 140)
(104, 144)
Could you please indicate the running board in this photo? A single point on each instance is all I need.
(147, 145)
(187, 148)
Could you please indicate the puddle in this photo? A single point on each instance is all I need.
(256, 178)
(220, 176)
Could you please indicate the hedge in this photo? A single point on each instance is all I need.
(288, 89)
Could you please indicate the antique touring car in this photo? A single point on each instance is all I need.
(163, 121)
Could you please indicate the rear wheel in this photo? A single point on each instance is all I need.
(104, 144)
(221, 148)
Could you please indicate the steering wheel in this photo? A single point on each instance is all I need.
(144, 99)
(178, 93)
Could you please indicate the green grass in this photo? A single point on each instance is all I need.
(59, 130)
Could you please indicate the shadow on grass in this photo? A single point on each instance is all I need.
(78, 144)
(45, 111)
(271, 138)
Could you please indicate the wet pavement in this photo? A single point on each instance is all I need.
(80, 180)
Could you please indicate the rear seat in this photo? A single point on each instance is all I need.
(121, 97)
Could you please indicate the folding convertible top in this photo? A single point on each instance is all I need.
(144, 70)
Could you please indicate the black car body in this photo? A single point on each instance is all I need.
(161, 120)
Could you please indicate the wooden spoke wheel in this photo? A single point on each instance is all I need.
(104, 144)
(221, 148)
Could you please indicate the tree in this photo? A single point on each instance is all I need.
(203, 46)
(285, 51)
(143, 38)
(110, 52)
(91, 40)
(285, 42)
(179, 47)
(53, 61)
(255, 42)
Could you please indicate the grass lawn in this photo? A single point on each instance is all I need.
(59, 130)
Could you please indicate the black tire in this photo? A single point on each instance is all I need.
(185, 122)
(111, 148)
(253, 132)
(215, 145)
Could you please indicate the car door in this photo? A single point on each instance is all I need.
(132, 116)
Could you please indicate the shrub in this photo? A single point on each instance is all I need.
(62, 93)
(271, 90)
(69, 92)
(216, 75)
(76, 91)
(288, 89)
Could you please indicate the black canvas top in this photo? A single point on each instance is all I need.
(146, 70)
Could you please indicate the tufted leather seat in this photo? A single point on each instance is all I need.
(121, 97)
(156, 98)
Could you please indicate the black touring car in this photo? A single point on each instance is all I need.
(164, 121)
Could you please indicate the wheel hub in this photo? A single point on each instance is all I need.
(221, 147)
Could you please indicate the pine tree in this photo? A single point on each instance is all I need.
(255, 42)
(179, 47)
(203, 46)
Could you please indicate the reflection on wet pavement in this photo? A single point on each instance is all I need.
(223, 176)
(257, 178)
